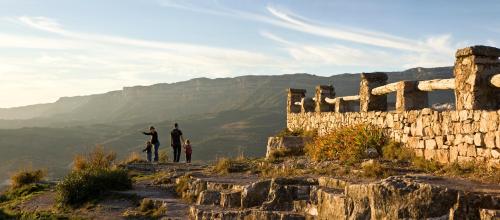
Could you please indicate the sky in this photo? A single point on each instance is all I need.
(58, 48)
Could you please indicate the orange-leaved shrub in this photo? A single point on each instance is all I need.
(348, 144)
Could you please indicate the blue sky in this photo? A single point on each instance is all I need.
(55, 48)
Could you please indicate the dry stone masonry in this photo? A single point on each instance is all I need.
(469, 133)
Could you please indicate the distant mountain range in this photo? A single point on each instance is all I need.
(221, 116)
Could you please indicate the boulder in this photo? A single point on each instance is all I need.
(255, 194)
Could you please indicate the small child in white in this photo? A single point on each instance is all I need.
(148, 150)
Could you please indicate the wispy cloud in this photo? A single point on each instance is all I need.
(85, 63)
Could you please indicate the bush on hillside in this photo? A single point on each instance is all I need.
(347, 144)
(26, 176)
(92, 175)
(81, 186)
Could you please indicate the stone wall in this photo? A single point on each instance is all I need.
(471, 133)
(466, 135)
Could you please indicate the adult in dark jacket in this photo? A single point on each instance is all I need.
(154, 140)
(176, 142)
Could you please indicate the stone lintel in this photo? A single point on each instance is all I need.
(478, 50)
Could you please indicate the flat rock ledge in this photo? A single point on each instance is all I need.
(397, 197)
(247, 196)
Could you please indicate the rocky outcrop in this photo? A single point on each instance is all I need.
(397, 197)
(290, 145)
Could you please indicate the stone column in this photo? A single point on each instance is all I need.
(367, 101)
(344, 106)
(408, 97)
(294, 95)
(323, 92)
(474, 66)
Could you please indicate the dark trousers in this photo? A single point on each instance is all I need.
(188, 158)
(157, 146)
(177, 152)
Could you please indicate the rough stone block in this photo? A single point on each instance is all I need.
(489, 140)
(471, 150)
(453, 154)
(439, 141)
(478, 139)
(462, 149)
(495, 153)
(430, 144)
(468, 138)
(429, 154)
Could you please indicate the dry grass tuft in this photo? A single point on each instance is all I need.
(97, 158)
(27, 176)
(134, 157)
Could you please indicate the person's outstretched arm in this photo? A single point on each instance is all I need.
(147, 133)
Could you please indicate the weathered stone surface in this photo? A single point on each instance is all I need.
(332, 204)
(208, 197)
(489, 214)
(230, 198)
(255, 194)
(293, 144)
(399, 198)
(331, 182)
(284, 191)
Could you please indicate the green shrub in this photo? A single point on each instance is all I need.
(347, 144)
(394, 151)
(225, 165)
(374, 170)
(429, 166)
(81, 186)
(26, 177)
(23, 191)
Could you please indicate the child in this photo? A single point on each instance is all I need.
(188, 149)
(148, 149)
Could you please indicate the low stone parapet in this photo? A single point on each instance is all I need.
(451, 136)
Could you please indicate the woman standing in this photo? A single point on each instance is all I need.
(154, 141)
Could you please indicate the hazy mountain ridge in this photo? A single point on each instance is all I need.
(197, 96)
(220, 116)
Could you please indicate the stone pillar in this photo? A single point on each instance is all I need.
(308, 105)
(474, 66)
(408, 97)
(294, 95)
(323, 92)
(344, 106)
(367, 101)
